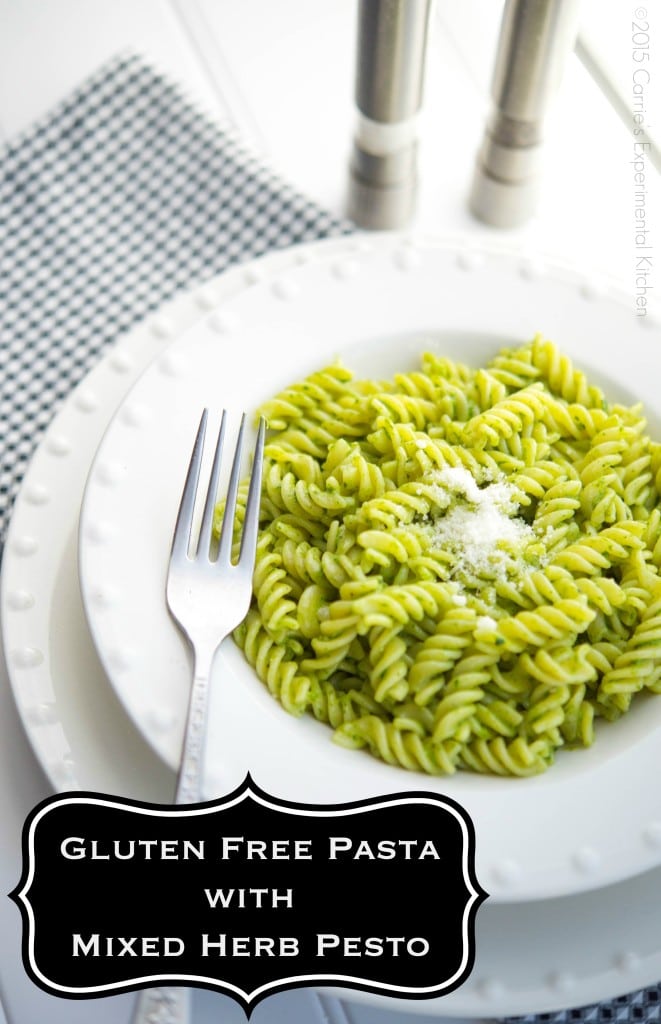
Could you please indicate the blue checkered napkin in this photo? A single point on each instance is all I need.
(639, 1008)
(119, 199)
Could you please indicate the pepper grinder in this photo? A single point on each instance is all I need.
(535, 38)
(392, 40)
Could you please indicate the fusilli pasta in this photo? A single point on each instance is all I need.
(458, 568)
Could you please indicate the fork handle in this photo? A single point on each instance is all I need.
(163, 1006)
(173, 1005)
(191, 765)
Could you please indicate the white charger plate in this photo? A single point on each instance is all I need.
(595, 817)
(534, 957)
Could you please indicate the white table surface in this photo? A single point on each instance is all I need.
(281, 71)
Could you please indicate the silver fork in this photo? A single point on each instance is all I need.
(208, 596)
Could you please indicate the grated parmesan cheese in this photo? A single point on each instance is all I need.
(482, 530)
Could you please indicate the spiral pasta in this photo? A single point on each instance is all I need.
(458, 569)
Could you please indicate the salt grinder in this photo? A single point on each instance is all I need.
(535, 38)
(392, 39)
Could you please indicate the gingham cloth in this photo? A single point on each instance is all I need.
(122, 197)
(643, 1007)
(119, 199)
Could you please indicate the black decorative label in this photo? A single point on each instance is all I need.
(249, 895)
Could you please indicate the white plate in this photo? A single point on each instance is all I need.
(78, 729)
(530, 957)
(595, 817)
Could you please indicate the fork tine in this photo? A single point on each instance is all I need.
(227, 529)
(204, 541)
(251, 522)
(184, 524)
